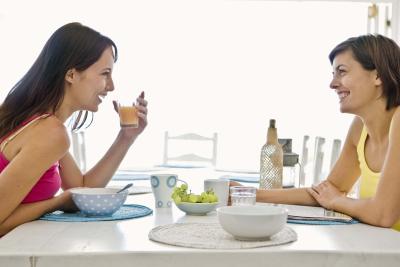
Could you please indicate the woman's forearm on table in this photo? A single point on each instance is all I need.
(366, 210)
(29, 212)
(294, 196)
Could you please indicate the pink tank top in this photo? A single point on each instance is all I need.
(50, 182)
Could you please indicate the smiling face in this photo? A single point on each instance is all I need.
(358, 89)
(86, 89)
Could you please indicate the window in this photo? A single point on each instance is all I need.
(206, 66)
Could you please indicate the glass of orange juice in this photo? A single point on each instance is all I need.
(128, 115)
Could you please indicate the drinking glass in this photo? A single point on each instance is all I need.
(243, 195)
(128, 115)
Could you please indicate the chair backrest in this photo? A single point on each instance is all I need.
(318, 159)
(192, 156)
(79, 149)
(312, 165)
(304, 161)
(336, 146)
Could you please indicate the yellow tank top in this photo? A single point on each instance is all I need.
(369, 179)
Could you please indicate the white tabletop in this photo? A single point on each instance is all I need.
(126, 243)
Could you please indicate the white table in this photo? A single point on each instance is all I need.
(125, 243)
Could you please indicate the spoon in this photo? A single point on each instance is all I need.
(125, 187)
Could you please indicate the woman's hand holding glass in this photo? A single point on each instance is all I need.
(141, 109)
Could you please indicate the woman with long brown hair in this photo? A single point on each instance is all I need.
(72, 74)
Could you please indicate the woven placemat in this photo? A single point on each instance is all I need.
(211, 235)
(125, 212)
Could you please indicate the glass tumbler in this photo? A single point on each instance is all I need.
(243, 195)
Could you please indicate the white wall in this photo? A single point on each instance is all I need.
(224, 66)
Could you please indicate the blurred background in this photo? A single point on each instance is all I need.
(206, 66)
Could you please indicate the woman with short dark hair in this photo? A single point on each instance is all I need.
(366, 78)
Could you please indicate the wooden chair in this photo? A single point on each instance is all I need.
(190, 157)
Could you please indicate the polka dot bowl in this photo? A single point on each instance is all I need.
(98, 201)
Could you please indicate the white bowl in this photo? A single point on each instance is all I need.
(98, 201)
(196, 208)
(252, 222)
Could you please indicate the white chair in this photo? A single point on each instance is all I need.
(190, 157)
(336, 146)
(304, 161)
(313, 168)
(79, 149)
(318, 159)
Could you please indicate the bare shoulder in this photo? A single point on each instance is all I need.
(50, 132)
(355, 130)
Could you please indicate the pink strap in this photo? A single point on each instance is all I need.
(7, 138)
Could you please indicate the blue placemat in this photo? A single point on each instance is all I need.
(130, 176)
(125, 212)
(242, 178)
(238, 171)
(319, 222)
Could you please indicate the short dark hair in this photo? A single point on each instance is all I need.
(380, 53)
(42, 88)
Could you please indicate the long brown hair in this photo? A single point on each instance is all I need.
(41, 89)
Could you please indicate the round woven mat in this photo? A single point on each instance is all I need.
(211, 235)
